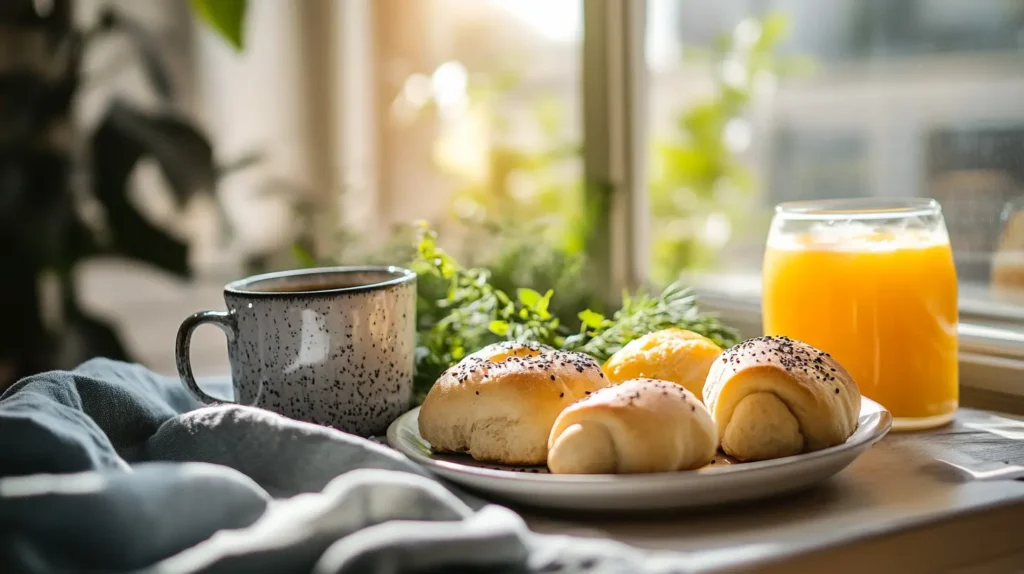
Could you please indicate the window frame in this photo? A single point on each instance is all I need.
(615, 88)
(991, 350)
(614, 122)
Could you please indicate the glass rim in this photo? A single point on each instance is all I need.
(862, 208)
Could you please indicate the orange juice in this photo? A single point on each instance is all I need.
(884, 303)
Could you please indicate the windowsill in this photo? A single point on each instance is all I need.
(991, 338)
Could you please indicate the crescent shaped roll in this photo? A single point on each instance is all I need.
(772, 397)
(640, 425)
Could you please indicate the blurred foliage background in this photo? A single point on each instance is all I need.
(65, 193)
(700, 188)
(517, 210)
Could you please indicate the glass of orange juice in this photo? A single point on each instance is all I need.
(872, 282)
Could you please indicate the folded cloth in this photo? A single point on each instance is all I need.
(111, 468)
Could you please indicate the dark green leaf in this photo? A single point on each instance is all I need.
(127, 135)
(30, 102)
(183, 153)
(37, 213)
(225, 16)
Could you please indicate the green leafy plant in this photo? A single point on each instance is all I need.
(700, 188)
(640, 314)
(227, 17)
(52, 219)
(459, 311)
(517, 208)
(521, 256)
(517, 185)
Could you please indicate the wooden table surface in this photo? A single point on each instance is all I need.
(894, 509)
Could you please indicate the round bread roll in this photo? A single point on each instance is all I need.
(641, 425)
(675, 355)
(499, 403)
(773, 397)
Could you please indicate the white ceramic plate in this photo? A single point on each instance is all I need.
(722, 482)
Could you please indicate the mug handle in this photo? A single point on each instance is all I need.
(222, 319)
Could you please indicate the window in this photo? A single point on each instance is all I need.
(703, 117)
(679, 124)
(847, 98)
(757, 102)
(479, 118)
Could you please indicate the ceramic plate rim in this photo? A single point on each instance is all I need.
(874, 423)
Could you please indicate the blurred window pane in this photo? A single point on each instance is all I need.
(480, 114)
(754, 102)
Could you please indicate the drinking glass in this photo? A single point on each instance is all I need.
(872, 282)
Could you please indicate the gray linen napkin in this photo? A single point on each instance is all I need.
(111, 468)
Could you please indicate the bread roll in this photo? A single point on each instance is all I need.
(675, 355)
(499, 403)
(641, 425)
(773, 397)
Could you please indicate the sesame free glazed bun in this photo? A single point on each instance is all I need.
(675, 355)
(773, 397)
(499, 403)
(641, 425)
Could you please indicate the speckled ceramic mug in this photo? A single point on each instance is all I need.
(331, 346)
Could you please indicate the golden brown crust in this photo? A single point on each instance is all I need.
(499, 403)
(640, 425)
(821, 398)
(675, 355)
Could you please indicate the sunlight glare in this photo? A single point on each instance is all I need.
(734, 73)
(559, 21)
(416, 90)
(449, 83)
(747, 33)
(738, 135)
(717, 230)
